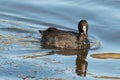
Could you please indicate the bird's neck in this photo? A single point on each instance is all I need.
(81, 37)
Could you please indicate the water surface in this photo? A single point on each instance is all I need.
(22, 57)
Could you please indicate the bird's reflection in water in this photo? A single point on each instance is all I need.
(81, 63)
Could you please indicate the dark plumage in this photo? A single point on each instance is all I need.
(53, 37)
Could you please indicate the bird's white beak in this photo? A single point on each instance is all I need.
(85, 30)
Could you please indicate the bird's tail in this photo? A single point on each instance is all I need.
(40, 31)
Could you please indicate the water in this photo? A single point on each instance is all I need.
(22, 57)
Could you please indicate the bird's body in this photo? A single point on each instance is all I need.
(64, 39)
